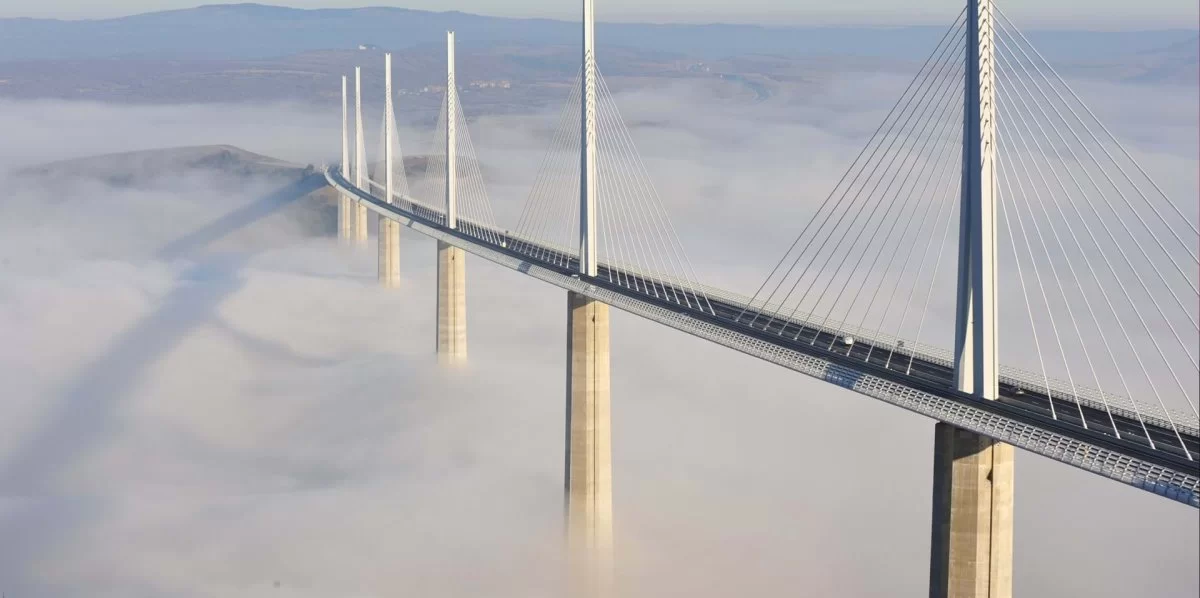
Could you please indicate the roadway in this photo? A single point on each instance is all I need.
(909, 368)
(1150, 440)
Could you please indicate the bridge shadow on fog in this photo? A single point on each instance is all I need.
(240, 218)
(83, 412)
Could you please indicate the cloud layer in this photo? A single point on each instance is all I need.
(256, 417)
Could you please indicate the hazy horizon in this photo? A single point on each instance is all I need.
(204, 393)
(358, 465)
(1104, 15)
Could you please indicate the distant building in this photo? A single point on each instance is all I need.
(367, 47)
(500, 84)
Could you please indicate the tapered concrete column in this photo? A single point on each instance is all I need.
(345, 213)
(972, 539)
(451, 304)
(389, 253)
(589, 448)
(360, 223)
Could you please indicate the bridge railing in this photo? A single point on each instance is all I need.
(1178, 485)
(405, 198)
(1118, 405)
(1087, 396)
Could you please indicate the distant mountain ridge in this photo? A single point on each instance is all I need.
(135, 168)
(141, 167)
(256, 31)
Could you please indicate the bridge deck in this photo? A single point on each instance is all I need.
(1150, 458)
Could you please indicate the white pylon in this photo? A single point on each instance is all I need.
(587, 163)
(360, 149)
(387, 128)
(344, 204)
(975, 323)
(451, 136)
(345, 169)
(389, 230)
(359, 211)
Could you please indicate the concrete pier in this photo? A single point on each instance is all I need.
(972, 541)
(344, 225)
(360, 223)
(589, 448)
(389, 253)
(451, 304)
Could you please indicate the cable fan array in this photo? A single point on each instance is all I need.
(1096, 265)
(638, 247)
(474, 209)
(1112, 300)
(426, 197)
(873, 257)
(377, 179)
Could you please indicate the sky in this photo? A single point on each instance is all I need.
(1109, 14)
(256, 417)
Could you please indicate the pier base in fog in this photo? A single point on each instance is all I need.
(972, 543)
(451, 304)
(389, 252)
(345, 219)
(360, 222)
(589, 448)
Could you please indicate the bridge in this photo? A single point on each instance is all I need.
(1066, 250)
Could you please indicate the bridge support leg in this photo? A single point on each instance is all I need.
(589, 448)
(345, 224)
(451, 304)
(972, 540)
(389, 252)
(360, 222)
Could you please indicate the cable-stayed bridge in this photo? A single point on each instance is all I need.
(994, 258)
